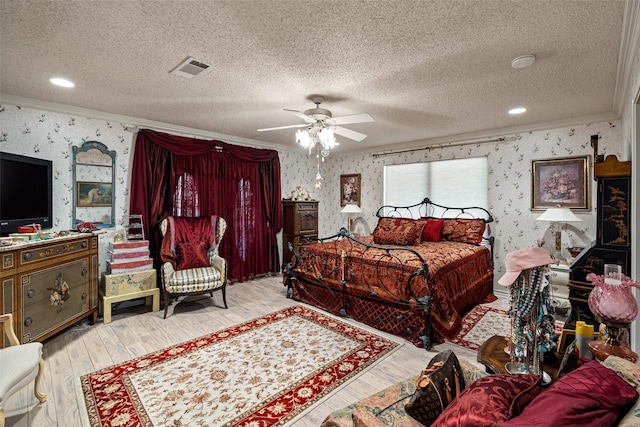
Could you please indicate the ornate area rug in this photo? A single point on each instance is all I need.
(264, 372)
(482, 322)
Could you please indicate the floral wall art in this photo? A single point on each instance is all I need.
(563, 181)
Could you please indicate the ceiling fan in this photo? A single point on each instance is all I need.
(319, 118)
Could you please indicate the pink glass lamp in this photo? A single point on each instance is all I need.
(613, 304)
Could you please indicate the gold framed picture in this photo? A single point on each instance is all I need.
(350, 189)
(93, 194)
(561, 181)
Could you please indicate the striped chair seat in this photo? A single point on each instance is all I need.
(194, 279)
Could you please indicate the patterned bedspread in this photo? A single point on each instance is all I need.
(455, 275)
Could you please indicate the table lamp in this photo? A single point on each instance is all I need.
(352, 211)
(554, 216)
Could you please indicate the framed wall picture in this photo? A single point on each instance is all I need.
(93, 194)
(561, 181)
(350, 189)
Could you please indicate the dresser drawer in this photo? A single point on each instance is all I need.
(308, 222)
(311, 206)
(51, 252)
(46, 315)
(54, 282)
(559, 276)
(559, 291)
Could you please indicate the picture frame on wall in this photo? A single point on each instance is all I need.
(563, 181)
(93, 194)
(350, 189)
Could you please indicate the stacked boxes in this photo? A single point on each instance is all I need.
(129, 257)
(130, 275)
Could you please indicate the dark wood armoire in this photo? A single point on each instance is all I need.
(300, 218)
(612, 244)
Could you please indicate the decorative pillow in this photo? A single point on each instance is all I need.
(436, 387)
(592, 395)
(192, 255)
(398, 231)
(466, 230)
(433, 230)
(630, 372)
(492, 400)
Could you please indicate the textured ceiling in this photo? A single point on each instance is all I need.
(427, 71)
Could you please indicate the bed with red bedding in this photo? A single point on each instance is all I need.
(414, 278)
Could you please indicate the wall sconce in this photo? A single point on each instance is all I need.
(554, 216)
(352, 211)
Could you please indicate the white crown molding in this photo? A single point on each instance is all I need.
(197, 133)
(136, 122)
(629, 46)
(488, 135)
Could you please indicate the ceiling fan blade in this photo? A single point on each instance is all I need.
(353, 118)
(348, 133)
(284, 127)
(302, 116)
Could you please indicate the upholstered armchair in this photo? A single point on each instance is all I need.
(191, 262)
(19, 365)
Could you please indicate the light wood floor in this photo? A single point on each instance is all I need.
(136, 331)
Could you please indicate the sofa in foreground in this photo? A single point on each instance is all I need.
(595, 394)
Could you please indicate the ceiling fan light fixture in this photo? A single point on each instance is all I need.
(327, 138)
(304, 139)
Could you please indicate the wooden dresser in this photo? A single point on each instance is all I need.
(300, 218)
(49, 285)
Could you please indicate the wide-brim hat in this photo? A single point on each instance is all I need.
(524, 259)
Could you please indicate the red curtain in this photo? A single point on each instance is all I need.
(174, 175)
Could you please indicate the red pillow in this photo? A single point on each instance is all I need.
(491, 400)
(192, 255)
(592, 395)
(433, 230)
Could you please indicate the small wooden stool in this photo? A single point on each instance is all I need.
(154, 294)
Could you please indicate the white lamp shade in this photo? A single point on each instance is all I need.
(558, 215)
(351, 209)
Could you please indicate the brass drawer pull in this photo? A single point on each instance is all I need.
(84, 296)
(84, 272)
(84, 244)
(31, 293)
(27, 256)
(28, 321)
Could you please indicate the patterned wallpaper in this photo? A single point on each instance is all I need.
(51, 135)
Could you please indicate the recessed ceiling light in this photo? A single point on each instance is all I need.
(518, 110)
(62, 82)
(523, 61)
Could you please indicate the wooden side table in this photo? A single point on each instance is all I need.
(492, 355)
(128, 286)
(107, 301)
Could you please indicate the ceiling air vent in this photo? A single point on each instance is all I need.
(189, 68)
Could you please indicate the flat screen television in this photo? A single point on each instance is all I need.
(26, 192)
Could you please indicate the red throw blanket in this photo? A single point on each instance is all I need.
(186, 229)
